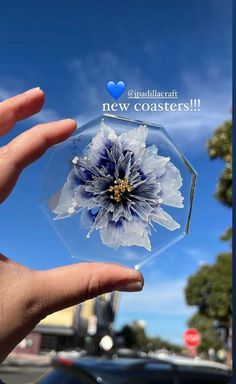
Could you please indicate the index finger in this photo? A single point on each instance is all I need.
(20, 107)
(28, 147)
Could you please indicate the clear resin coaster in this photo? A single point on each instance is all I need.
(118, 190)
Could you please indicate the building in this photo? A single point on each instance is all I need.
(74, 327)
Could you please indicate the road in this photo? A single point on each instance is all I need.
(21, 375)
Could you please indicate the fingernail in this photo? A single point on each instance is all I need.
(130, 287)
(32, 90)
(69, 121)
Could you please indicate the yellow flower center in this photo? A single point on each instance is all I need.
(120, 186)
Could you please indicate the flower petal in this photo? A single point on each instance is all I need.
(161, 217)
(116, 152)
(62, 201)
(152, 163)
(126, 233)
(97, 146)
(135, 140)
(102, 219)
(171, 179)
(171, 182)
(147, 190)
(142, 209)
(87, 218)
(174, 199)
(99, 185)
(123, 166)
(83, 198)
(122, 210)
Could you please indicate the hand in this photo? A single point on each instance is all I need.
(26, 295)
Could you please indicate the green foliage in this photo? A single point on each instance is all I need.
(220, 146)
(155, 343)
(206, 327)
(220, 301)
(210, 289)
(227, 236)
(129, 336)
(198, 289)
(135, 337)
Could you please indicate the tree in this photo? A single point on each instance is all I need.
(129, 336)
(227, 236)
(210, 289)
(155, 343)
(135, 338)
(206, 327)
(220, 300)
(198, 289)
(220, 146)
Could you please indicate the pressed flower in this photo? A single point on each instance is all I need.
(121, 186)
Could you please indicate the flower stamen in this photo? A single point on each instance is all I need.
(120, 186)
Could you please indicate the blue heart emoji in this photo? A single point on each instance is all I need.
(115, 89)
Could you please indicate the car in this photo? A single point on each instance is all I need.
(146, 370)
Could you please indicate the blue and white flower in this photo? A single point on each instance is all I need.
(121, 185)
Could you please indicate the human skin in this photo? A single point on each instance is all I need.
(27, 295)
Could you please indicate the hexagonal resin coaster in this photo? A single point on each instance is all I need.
(118, 190)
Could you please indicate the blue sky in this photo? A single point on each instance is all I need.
(71, 49)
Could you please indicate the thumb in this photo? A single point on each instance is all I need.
(35, 294)
(65, 286)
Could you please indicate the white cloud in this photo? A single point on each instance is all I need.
(161, 298)
(195, 127)
(196, 254)
(92, 73)
(161, 305)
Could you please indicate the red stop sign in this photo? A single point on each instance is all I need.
(192, 338)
